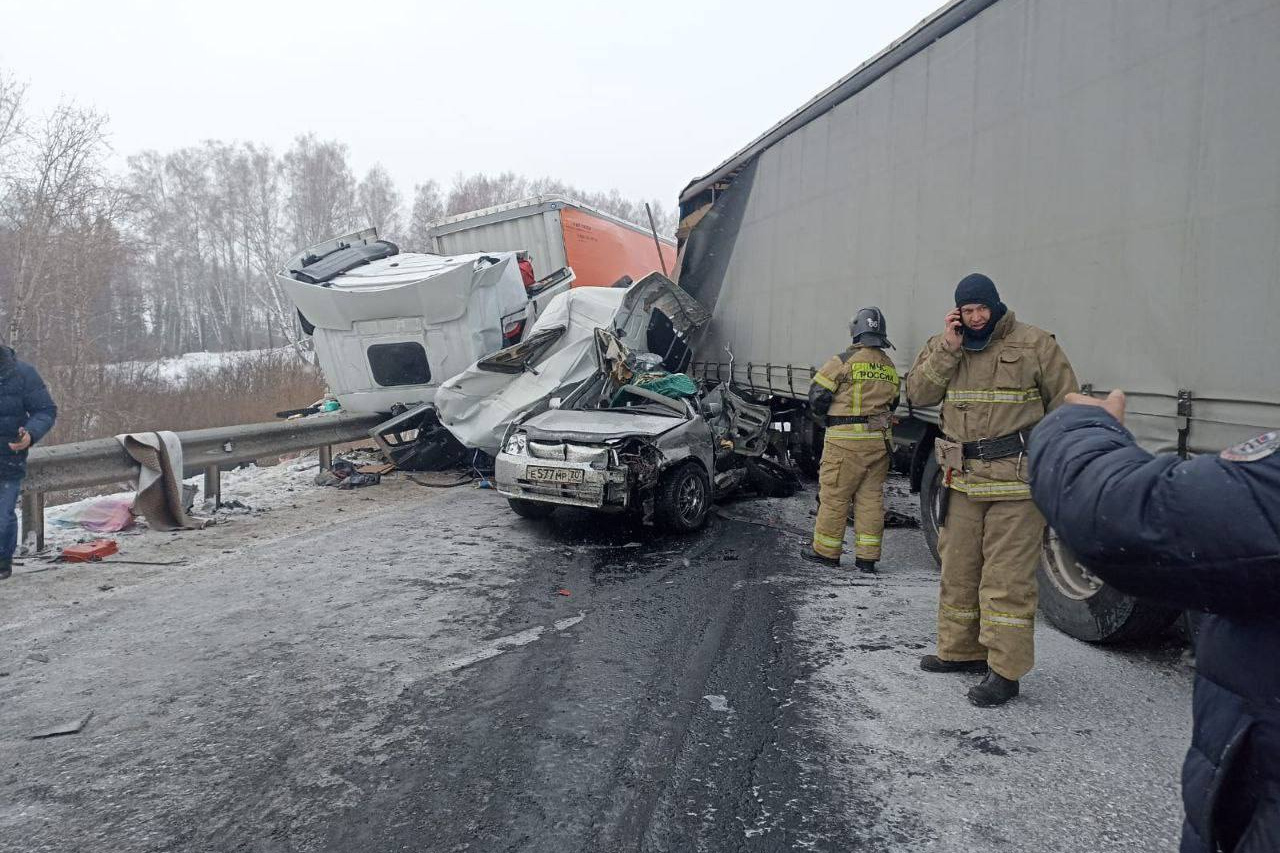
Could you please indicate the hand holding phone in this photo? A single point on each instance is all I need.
(953, 330)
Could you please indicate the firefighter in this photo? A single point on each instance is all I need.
(852, 396)
(995, 378)
(1203, 534)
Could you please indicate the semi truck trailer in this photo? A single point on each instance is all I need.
(1114, 167)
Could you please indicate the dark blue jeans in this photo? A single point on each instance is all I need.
(9, 491)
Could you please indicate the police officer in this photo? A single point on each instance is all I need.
(1202, 533)
(852, 396)
(995, 378)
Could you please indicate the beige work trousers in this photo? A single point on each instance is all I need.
(987, 604)
(851, 472)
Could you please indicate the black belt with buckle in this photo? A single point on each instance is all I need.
(844, 420)
(988, 449)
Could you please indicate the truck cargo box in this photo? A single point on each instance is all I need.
(557, 232)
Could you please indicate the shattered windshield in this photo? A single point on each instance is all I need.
(518, 357)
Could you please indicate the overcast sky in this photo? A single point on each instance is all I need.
(640, 96)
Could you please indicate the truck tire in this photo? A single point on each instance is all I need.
(531, 509)
(1077, 603)
(684, 498)
(809, 445)
(1084, 607)
(930, 495)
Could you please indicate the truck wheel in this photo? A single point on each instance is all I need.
(809, 445)
(931, 504)
(1084, 607)
(530, 509)
(684, 498)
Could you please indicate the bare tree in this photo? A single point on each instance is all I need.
(59, 179)
(428, 206)
(379, 203)
(473, 192)
(12, 95)
(320, 188)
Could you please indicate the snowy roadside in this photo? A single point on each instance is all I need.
(1087, 759)
(174, 370)
(247, 490)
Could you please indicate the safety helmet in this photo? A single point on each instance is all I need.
(868, 328)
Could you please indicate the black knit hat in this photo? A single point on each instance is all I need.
(977, 289)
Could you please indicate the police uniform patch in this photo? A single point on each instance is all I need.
(1253, 449)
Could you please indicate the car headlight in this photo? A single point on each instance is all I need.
(517, 445)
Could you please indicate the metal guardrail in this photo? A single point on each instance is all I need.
(103, 460)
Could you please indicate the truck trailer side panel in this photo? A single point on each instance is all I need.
(1112, 166)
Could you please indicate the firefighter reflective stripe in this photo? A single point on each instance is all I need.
(827, 541)
(960, 614)
(1026, 395)
(855, 431)
(824, 381)
(1000, 488)
(866, 539)
(1007, 620)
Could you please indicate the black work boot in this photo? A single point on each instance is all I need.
(6, 568)
(814, 557)
(933, 663)
(868, 566)
(994, 690)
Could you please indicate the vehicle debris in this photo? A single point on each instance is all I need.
(653, 315)
(70, 727)
(89, 552)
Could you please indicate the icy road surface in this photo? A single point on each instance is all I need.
(399, 668)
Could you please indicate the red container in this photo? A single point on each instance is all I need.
(87, 552)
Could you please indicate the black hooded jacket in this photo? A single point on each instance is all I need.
(24, 402)
(1200, 534)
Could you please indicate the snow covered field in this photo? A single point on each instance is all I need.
(176, 369)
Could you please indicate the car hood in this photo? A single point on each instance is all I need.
(597, 425)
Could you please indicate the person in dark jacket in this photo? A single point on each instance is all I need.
(27, 412)
(1200, 534)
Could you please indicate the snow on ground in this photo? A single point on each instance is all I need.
(176, 369)
(1088, 758)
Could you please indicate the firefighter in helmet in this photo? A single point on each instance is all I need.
(853, 396)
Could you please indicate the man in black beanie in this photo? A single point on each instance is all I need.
(995, 378)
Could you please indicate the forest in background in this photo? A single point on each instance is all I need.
(176, 252)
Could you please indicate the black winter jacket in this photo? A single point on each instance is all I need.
(24, 402)
(1200, 534)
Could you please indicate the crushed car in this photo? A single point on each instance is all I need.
(479, 404)
(635, 437)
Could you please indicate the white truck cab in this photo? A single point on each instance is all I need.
(389, 326)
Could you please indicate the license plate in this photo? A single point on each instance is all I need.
(553, 475)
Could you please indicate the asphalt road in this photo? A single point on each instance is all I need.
(411, 669)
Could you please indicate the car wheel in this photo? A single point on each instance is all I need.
(530, 509)
(684, 498)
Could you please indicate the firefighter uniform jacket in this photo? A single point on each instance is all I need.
(861, 382)
(1204, 534)
(995, 392)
